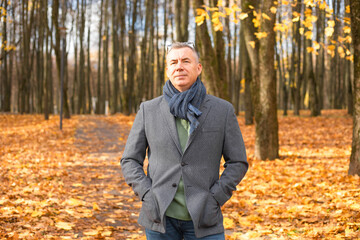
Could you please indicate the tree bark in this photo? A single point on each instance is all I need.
(6, 101)
(115, 56)
(263, 81)
(82, 85)
(131, 64)
(100, 101)
(354, 167)
(212, 58)
(182, 20)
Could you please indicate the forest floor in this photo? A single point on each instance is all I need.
(68, 184)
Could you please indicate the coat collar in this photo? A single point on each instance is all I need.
(171, 124)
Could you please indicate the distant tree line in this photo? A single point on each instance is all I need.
(115, 52)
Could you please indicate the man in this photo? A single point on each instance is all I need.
(185, 133)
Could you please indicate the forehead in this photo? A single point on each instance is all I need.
(181, 53)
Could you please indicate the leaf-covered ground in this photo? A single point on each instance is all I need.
(68, 184)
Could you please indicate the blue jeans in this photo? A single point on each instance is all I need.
(178, 230)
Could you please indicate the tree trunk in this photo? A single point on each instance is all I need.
(58, 50)
(122, 14)
(73, 100)
(354, 167)
(115, 56)
(182, 20)
(212, 58)
(88, 73)
(82, 85)
(296, 61)
(6, 101)
(310, 76)
(100, 101)
(229, 78)
(47, 70)
(263, 81)
(320, 60)
(131, 64)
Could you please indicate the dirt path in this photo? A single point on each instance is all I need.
(102, 143)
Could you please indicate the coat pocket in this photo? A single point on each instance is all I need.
(151, 207)
(210, 214)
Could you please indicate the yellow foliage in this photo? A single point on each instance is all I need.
(252, 44)
(213, 9)
(235, 8)
(218, 26)
(242, 16)
(265, 16)
(308, 12)
(331, 47)
(296, 14)
(348, 39)
(331, 23)
(273, 9)
(331, 50)
(301, 31)
(350, 58)
(347, 29)
(309, 3)
(316, 45)
(280, 27)
(228, 11)
(308, 24)
(309, 34)
(314, 18)
(219, 3)
(2, 11)
(329, 31)
(341, 52)
(347, 20)
(322, 5)
(260, 35)
(199, 20)
(200, 12)
(251, 7)
(256, 22)
(309, 49)
(284, 2)
(347, 9)
(296, 19)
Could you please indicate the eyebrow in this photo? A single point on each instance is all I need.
(182, 59)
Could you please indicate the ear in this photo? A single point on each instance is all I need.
(167, 72)
(199, 69)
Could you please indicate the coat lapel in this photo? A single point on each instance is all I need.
(170, 123)
(204, 108)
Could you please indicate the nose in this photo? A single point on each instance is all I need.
(179, 66)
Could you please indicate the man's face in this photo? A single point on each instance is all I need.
(183, 68)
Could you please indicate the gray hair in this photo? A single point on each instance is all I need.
(178, 45)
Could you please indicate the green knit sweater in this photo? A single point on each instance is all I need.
(177, 208)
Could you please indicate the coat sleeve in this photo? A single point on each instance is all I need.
(234, 155)
(132, 160)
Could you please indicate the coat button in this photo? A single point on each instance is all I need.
(174, 184)
(183, 164)
(157, 221)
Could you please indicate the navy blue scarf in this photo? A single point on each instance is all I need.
(186, 104)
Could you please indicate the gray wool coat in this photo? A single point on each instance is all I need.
(218, 134)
